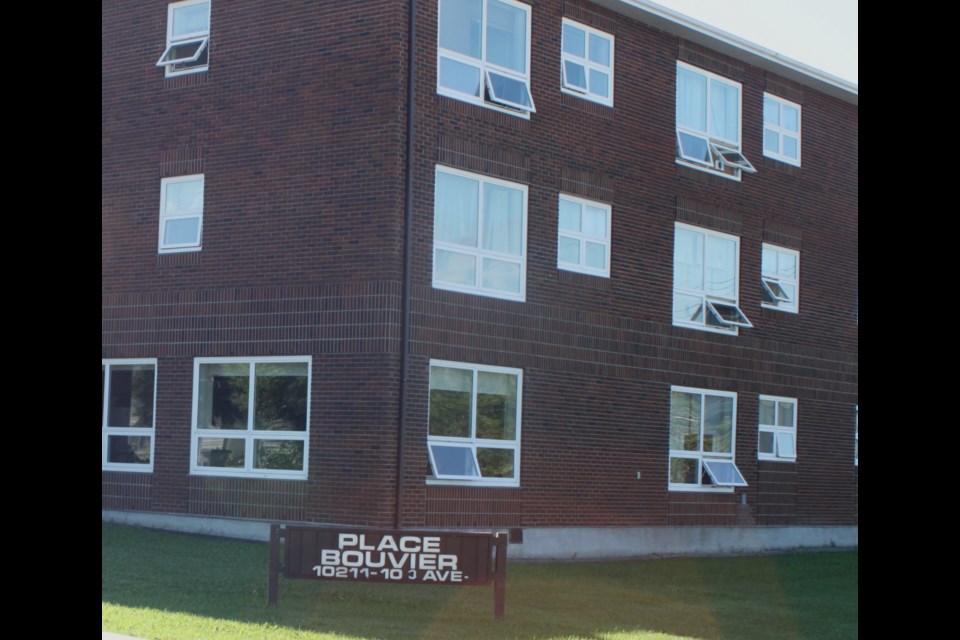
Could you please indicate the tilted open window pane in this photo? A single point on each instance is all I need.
(732, 157)
(509, 91)
(726, 314)
(453, 462)
(180, 52)
(695, 148)
(724, 473)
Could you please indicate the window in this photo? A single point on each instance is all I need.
(702, 439)
(251, 416)
(584, 236)
(474, 425)
(181, 213)
(856, 436)
(484, 53)
(777, 439)
(128, 396)
(708, 122)
(587, 62)
(705, 280)
(188, 38)
(479, 233)
(780, 278)
(781, 129)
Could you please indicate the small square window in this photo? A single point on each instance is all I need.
(777, 439)
(483, 51)
(474, 423)
(708, 122)
(188, 38)
(128, 403)
(781, 129)
(780, 278)
(587, 62)
(583, 231)
(181, 213)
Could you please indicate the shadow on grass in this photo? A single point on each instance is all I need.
(795, 596)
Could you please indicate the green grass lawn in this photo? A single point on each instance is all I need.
(160, 585)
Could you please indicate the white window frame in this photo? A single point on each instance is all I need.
(700, 456)
(106, 430)
(202, 36)
(179, 247)
(249, 435)
(711, 304)
(856, 436)
(724, 157)
(478, 252)
(583, 238)
(770, 282)
(782, 132)
(473, 442)
(779, 431)
(586, 63)
(485, 68)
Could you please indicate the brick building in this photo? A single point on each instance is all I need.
(582, 270)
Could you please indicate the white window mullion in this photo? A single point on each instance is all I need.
(249, 444)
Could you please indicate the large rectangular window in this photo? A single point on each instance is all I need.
(484, 53)
(474, 423)
(708, 122)
(127, 410)
(706, 275)
(587, 62)
(251, 416)
(479, 235)
(188, 38)
(781, 129)
(181, 213)
(777, 437)
(703, 435)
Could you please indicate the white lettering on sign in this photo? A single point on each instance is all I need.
(416, 558)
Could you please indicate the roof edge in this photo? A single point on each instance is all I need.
(707, 35)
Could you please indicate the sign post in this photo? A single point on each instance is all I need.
(393, 556)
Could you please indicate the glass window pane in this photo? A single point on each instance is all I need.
(765, 444)
(131, 396)
(576, 74)
(452, 460)
(460, 26)
(451, 391)
(688, 259)
(599, 83)
(509, 89)
(596, 255)
(278, 454)
(785, 411)
(574, 41)
(459, 76)
(720, 266)
(687, 308)
(718, 424)
(595, 221)
(769, 262)
(281, 396)
(181, 231)
(785, 445)
(507, 36)
(790, 291)
(684, 471)
(184, 196)
(502, 219)
(223, 393)
(456, 268)
(128, 449)
(787, 265)
(496, 463)
(771, 111)
(771, 141)
(599, 50)
(569, 215)
(221, 452)
(791, 118)
(456, 209)
(691, 99)
(790, 147)
(500, 275)
(684, 421)
(496, 406)
(191, 19)
(724, 111)
(569, 250)
(767, 412)
(724, 473)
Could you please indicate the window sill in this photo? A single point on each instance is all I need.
(486, 484)
(178, 250)
(682, 488)
(131, 468)
(261, 475)
(776, 459)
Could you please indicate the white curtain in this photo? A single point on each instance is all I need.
(456, 209)
(724, 111)
(502, 219)
(691, 100)
(507, 36)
